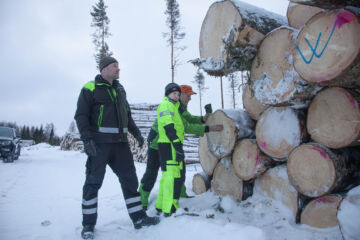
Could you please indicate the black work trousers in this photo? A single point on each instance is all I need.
(120, 160)
(152, 169)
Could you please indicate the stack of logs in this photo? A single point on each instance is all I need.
(303, 94)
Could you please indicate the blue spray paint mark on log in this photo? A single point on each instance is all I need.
(316, 46)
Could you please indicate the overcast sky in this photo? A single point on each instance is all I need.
(46, 54)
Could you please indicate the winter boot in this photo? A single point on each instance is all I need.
(183, 193)
(88, 232)
(144, 195)
(146, 221)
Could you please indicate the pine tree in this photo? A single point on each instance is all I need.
(100, 21)
(199, 80)
(233, 86)
(51, 137)
(174, 35)
(72, 127)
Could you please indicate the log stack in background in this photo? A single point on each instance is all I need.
(303, 94)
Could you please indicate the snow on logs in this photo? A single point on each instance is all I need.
(234, 24)
(226, 183)
(348, 215)
(237, 125)
(330, 4)
(299, 14)
(275, 184)
(334, 118)
(323, 55)
(200, 183)
(321, 212)
(278, 131)
(315, 170)
(273, 77)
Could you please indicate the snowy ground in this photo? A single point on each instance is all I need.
(40, 198)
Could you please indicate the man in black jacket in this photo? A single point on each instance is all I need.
(103, 118)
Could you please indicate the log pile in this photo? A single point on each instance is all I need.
(303, 94)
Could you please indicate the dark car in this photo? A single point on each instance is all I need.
(9, 144)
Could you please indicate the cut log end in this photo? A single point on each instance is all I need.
(201, 183)
(321, 212)
(323, 55)
(334, 118)
(275, 184)
(208, 160)
(225, 182)
(298, 14)
(312, 169)
(251, 104)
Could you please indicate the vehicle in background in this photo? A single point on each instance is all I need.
(9, 144)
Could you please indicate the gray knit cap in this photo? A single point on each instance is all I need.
(105, 61)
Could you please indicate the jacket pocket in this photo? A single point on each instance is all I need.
(165, 154)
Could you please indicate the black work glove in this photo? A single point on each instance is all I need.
(208, 108)
(90, 148)
(140, 140)
(180, 156)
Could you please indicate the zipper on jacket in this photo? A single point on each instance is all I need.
(100, 115)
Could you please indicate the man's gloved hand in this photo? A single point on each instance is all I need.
(140, 140)
(208, 108)
(90, 148)
(180, 156)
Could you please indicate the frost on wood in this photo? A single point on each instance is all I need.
(237, 125)
(348, 215)
(329, 4)
(278, 131)
(273, 77)
(229, 35)
(275, 184)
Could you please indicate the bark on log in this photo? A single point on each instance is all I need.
(334, 118)
(314, 170)
(251, 104)
(328, 49)
(248, 161)
(237, 125)
(208, 160)
(299, 14)
(330, 4)
(348, 215)
(241, 25)
(275, 184)
(225, 182)
(278, 131)
(273, 77)
(321, 212)
(201, 183)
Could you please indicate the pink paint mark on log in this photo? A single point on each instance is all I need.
(256, 159)
(344, 17)
(323, 200)
(321, 151)
(352, 100)
(263, 144)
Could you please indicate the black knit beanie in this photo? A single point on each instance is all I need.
(105, 61)
(172, 87)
